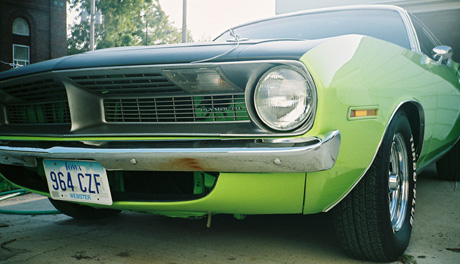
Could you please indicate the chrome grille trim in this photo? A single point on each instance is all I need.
(204, 108)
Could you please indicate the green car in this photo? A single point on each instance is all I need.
(332, 110)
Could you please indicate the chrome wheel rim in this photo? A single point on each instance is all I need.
(398, 182)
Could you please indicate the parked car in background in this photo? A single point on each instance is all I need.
(332, 110)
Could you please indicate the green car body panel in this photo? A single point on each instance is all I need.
(351, 72)
(352, 79)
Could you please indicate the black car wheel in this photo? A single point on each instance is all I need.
(82, 212)
(449, 165)
(374, 221)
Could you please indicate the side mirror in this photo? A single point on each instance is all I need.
(442, 53)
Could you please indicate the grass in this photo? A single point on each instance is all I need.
(5, 185)
(407, 259)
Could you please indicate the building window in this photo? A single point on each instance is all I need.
(21, 27)
(21, 40)
(21, 55)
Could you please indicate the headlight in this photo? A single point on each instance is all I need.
(284, 98)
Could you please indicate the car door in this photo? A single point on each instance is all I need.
(447, 84)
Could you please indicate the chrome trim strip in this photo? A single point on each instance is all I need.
(316, 154)
(412, 34)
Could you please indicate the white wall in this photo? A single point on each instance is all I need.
(417, 6)
(285, 6)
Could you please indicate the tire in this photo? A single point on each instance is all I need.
(449, 165)
(374, 221)
(82, 212)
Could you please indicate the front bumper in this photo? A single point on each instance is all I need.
(233, 155)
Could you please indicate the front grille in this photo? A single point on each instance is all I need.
(42, 113)
(36, 91)
(134, 100)
(126, 84)
(217, 108)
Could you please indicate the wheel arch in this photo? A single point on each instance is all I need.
(416, 116)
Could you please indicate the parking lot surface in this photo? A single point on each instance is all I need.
(142, 238)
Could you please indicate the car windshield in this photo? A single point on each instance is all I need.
(383, 24)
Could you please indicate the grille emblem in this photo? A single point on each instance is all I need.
(220, 109)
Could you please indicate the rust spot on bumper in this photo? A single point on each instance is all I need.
(188, 164)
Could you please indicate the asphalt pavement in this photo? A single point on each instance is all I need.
(142, 238)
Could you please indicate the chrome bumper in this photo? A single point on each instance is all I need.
(233, 155)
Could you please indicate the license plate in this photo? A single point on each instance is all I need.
(77, 181)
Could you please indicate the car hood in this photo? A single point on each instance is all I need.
(290, 49)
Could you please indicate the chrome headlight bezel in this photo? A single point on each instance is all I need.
(306, 92)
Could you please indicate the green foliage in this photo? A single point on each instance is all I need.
(5, 185)
(407, 259)
(125, 23)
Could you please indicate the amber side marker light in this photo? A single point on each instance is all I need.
(363, 113)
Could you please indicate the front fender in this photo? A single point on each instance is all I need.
(360, 72)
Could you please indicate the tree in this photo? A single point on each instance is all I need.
(125, 23)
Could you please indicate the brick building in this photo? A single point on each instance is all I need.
(31, 31)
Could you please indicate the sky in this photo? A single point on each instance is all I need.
(206, 19)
